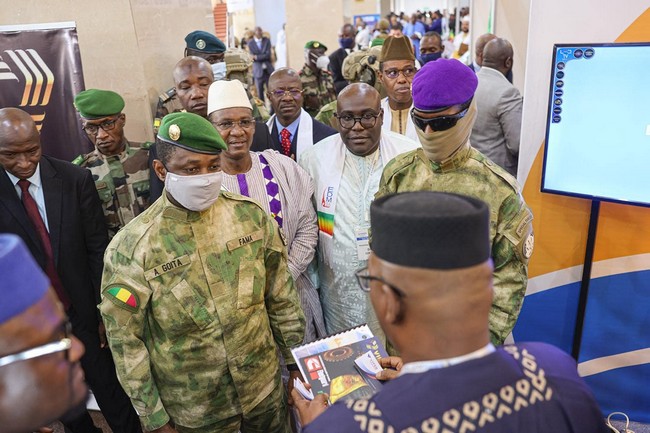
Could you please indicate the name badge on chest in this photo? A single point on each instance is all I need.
(166, 267)
(363, 243)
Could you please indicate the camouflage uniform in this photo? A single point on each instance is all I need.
(122, 182)
(326, 115)
(470, 173)
(206, 299)
(318, 89)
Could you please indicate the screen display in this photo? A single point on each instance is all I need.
(598, 124)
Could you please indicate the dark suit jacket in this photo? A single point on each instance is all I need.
(263, 56)
(336, 66)
(77, 230)
(319, 131)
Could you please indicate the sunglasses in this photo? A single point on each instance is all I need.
(63, 344)
(442, 123)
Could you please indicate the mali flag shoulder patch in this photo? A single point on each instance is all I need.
(123, 297)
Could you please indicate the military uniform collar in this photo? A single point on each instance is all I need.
(170, 210)
(456, 160)
(122, 156)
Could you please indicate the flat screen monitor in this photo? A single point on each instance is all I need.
(598, 125)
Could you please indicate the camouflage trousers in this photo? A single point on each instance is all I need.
(271, 415)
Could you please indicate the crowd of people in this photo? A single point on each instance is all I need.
(276, 207)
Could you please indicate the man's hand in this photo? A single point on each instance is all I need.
(309, 410)
(167, 428)
(103, 342)
(292, 375)
(392, 366)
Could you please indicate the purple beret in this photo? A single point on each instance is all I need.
(23, 283)
(443, 83)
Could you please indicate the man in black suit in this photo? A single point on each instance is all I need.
(260, 47)
(346, 42)
(54, 207)
(292, 129)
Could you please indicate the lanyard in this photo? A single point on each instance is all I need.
(422, 366)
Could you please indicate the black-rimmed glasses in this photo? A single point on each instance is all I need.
(368, 120)
(63, 344)
(364, 278)
(106, 125)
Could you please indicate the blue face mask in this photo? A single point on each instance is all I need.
(346, 42)
(430, 57)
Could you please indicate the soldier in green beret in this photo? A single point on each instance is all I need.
(197, 44)
(197, 297)
(119, 168)
(317, 81)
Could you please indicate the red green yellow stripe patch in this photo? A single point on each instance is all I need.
(326, 223)
(123, 297)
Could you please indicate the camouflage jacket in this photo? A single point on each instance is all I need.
(168, 102)
(470, 173)
(326, 115)
(318, 89)
(195, 304)
(122, 182)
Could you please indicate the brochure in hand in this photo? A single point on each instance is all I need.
(342, 365)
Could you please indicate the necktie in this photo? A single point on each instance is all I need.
(285, 141)
(35, 217)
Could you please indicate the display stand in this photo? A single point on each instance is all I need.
(586, 278)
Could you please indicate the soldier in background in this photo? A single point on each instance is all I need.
(200, 44)
(119, 168)
(358, 67)
(317, 81)
(238, 67)
(197, 298)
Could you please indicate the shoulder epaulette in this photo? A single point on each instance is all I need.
(79, 159)
(499, 172)
(169, 94)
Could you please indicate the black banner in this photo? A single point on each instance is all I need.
(40, 73)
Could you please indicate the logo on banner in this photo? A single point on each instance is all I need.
(38, 79)
(328, 196)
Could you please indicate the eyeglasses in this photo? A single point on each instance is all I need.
(393, 73)
(107, 125)
(46, 349)
(280, 93)
(346, 121)
(438, 123)
(364, 278)
(230, 124)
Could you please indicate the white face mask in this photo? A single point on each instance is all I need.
(219, 71)
(440, 145)
(322, 62)
(195, 193)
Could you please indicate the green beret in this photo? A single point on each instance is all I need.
(191, 132)
(95, 103)
(315, 44)
(204, 42)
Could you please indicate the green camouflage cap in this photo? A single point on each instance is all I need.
(96, 103)
(315, 44)
(191, 132)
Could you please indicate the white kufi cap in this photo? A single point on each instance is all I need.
(227, 94)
